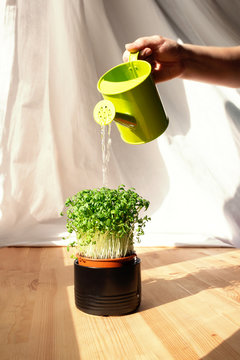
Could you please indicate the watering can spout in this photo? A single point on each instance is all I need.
(104, 113)
(125, 120)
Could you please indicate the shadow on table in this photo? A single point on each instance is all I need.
(229, 347)
(160, 291)
(168, 256)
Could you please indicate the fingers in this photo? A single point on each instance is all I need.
(143, 54)
(145, 46)
(144, 42)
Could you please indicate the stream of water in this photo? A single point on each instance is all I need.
(106, 147)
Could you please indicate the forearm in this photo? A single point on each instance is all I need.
(216, 65)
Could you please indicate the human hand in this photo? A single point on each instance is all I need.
(164, 55)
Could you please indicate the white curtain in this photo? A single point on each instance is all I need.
(52, 53)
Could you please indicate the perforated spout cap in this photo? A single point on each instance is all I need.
(104, 112)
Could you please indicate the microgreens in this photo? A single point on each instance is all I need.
(106, 221)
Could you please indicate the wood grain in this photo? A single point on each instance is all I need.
(190, 308)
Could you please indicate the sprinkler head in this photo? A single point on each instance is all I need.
(104, 112)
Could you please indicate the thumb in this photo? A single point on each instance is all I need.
(132, 46)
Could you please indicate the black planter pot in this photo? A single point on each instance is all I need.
(108, 291)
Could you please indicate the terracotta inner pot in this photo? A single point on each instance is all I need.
(104, 263)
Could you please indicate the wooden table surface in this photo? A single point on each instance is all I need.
(190, 308)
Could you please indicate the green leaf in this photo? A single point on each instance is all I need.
(102, 218)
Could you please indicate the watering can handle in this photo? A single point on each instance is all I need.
(133, 56)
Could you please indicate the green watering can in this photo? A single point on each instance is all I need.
(131, 99)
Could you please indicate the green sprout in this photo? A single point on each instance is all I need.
(106, 221)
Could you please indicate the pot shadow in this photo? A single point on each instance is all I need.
(159, 291)
(228, 349)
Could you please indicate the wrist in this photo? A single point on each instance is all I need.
(186, 55)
